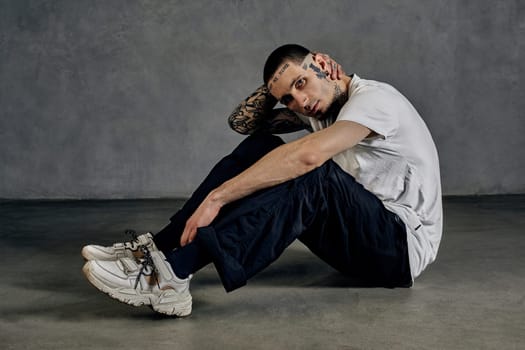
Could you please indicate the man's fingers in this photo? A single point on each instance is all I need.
(334, 75)
(192, 234)
(183, 238)
(203, 216)
(187, 235)
(332, 68)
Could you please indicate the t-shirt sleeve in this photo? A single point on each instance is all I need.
(372, 107)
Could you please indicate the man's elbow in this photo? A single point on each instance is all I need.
(310, 158)
(238, 126)
(240, 130)
(309, 154)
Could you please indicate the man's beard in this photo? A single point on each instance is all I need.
(340, 98)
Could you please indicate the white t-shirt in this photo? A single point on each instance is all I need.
(400, 165)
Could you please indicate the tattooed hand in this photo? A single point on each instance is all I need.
(334, 69)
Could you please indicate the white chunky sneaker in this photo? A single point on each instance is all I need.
(151, 282)
(131, 249)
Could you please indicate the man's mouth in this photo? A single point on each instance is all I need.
(315, 108)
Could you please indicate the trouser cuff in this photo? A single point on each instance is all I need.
(231, 273)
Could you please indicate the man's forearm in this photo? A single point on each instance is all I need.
(249, 115)
(291, 160)
(282, 164)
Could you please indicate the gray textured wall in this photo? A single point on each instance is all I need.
(118, 99)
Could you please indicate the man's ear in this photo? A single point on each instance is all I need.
(320, 61)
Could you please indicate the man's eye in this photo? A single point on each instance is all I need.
(299, 83)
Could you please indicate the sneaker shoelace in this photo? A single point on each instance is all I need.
(134, 236)
(146, 261)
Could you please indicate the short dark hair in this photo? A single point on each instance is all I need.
(289, 52)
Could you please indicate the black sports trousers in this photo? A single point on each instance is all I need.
(326, 209)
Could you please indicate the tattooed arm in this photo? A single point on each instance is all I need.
(257, 113)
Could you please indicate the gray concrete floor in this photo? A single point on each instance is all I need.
(472, 297)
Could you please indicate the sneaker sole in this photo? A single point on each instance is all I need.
(168, 303)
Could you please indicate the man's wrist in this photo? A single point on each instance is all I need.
(217, 197)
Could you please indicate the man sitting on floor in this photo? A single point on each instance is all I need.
(362, 192)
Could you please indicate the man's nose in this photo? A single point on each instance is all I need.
(301, 99)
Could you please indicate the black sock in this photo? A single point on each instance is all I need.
(188, 259)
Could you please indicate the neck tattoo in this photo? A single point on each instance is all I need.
(340, 99)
